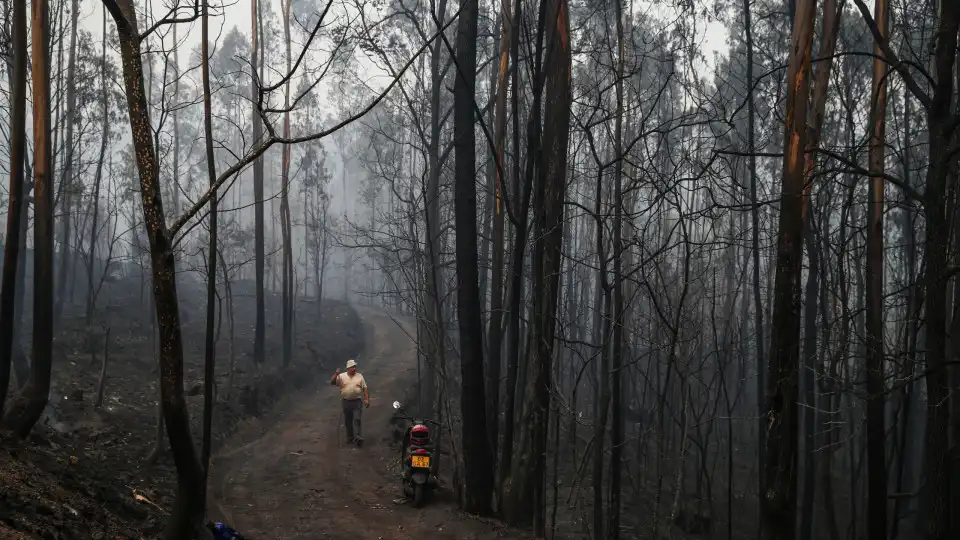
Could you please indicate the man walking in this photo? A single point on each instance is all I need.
(355, 395)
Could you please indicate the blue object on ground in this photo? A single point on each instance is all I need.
(223, 532)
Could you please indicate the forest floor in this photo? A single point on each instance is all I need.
(290, 475)
(83, 473)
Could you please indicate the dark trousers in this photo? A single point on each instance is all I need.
(352, 411)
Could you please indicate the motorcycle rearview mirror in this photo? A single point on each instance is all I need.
(396, 404)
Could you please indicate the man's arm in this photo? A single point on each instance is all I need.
(366, 393)
(335, 379)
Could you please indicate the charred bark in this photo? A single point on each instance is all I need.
(66, 180)
(876, 402)
(831, 20)
(435, 353)
(259, 345)
(26, 409)
(285, 220)
(187, 516)
(616, 356)
(524, 185)
(495, 332)
(528, 497)
(759, 330)
(210, 351)
(779, 501)
(937, 497)
(12, 246)
(478, 462)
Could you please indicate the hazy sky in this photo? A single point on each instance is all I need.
(711, 35)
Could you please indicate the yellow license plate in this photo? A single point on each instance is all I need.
(422, 462)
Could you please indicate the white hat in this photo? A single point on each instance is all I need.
(351, 363)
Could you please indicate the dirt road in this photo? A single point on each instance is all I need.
(290, 476)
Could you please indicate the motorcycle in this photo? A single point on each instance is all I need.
(416, 457)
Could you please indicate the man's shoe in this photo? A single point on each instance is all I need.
(358, 441)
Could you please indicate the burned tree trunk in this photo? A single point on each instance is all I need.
(831, 20)
(210, 351)
(19, 364)
(27, 408)
(759, 330)
(435, 347)
(495, 332)
(779, 502)
(11, 248)
(876, 402)
(175, 185)
(21, 367)
(524, 185)
(939, 499)
(285, 223)
(259, 346)
(478, 461)
(187, 517)
(616, 356)
(67, 180)
(528, 497)
(104, 138)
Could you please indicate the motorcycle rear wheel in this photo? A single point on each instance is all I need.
(418, 495)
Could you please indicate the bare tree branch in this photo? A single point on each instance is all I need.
(170, 18)
(892, 57)
(273, 139)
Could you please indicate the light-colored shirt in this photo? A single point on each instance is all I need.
(351, 387)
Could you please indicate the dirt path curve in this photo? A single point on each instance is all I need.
(289, 475)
